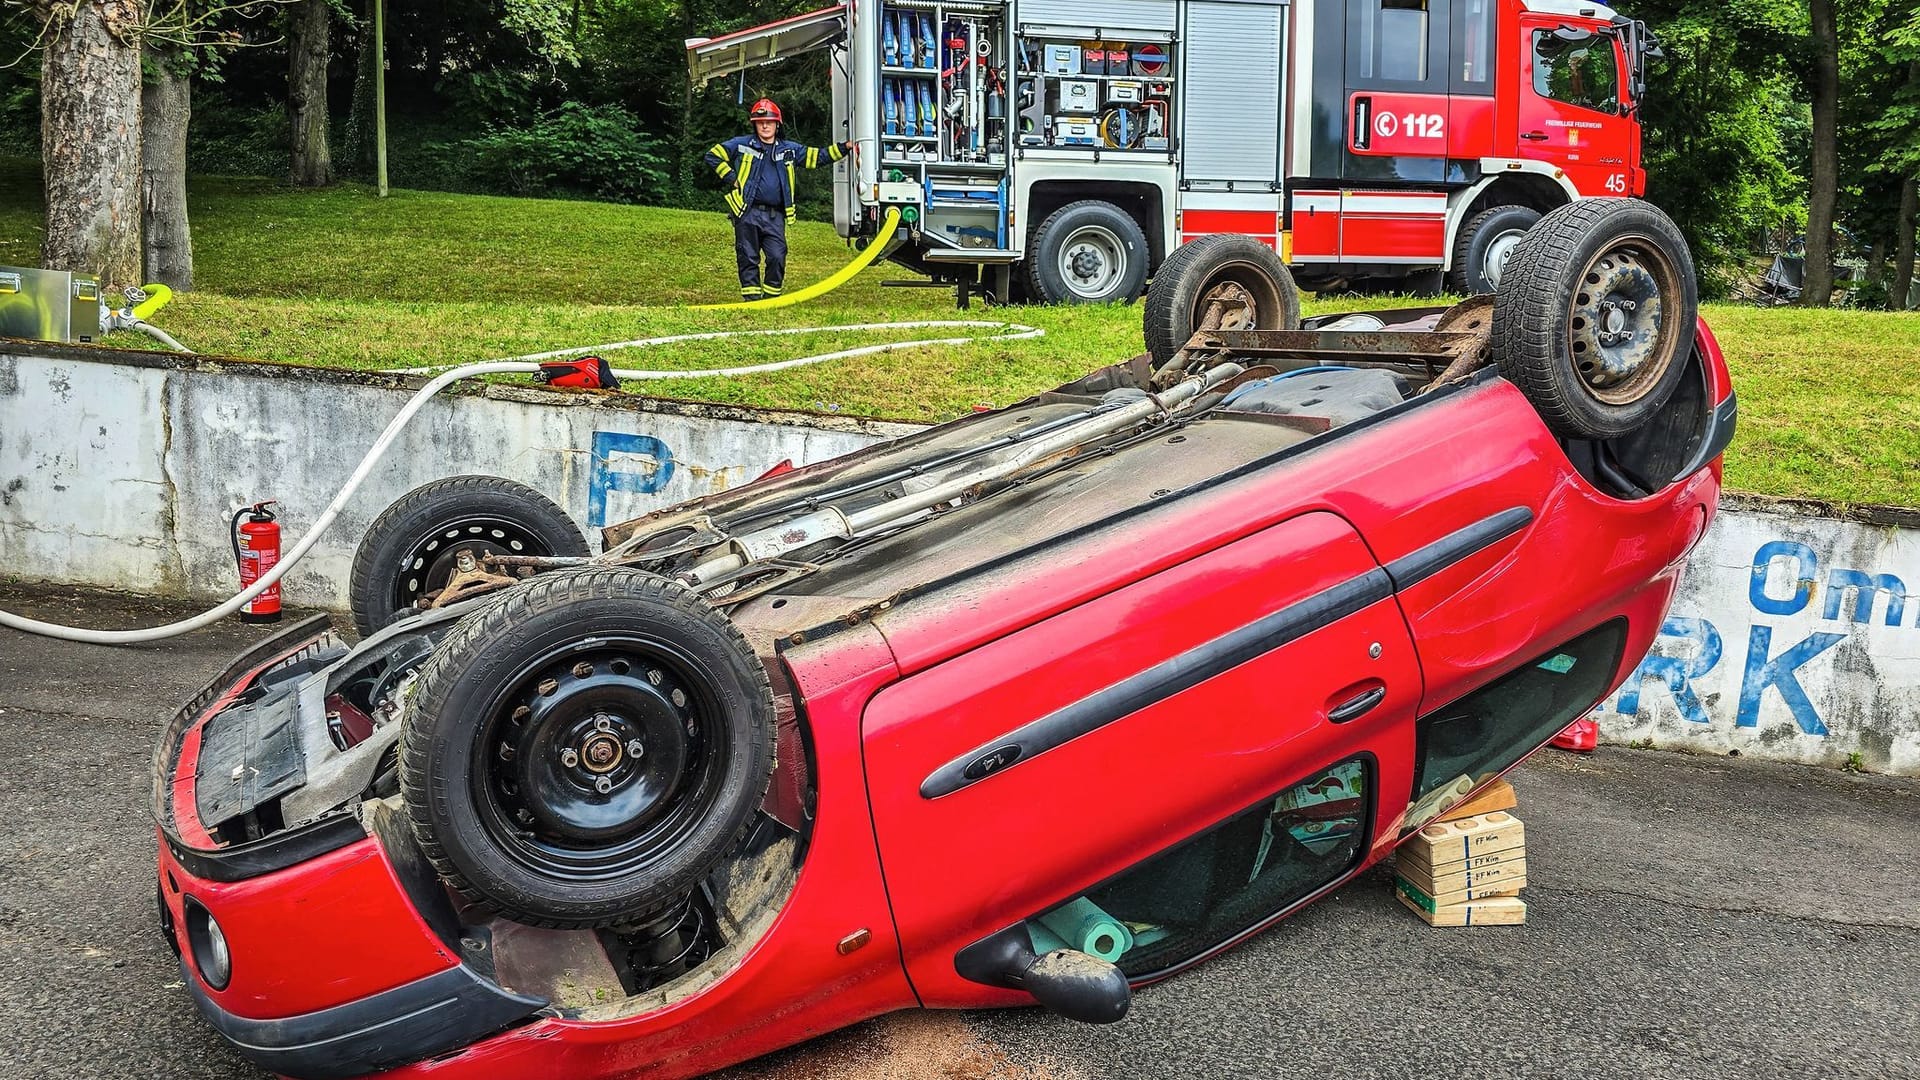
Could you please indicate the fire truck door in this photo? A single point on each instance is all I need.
(1571, 107)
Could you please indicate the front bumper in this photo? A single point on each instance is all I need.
(443, 1011)
(346, 949)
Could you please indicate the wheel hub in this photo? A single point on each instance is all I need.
(1091, 260)
(1499, 249)
(457, 548)
(1616, 321)
(596, 752)
(1227, 306)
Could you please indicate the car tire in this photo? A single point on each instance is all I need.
(1595, 316)
(1223, 266)
(1483, 247)
(582, 751)
(1087, 252)
(408, 553)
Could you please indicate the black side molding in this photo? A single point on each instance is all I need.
(1159, 682)
(445, 1011)
(276, 852)
(1422, 563)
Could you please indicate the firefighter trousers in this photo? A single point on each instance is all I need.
(762, 230)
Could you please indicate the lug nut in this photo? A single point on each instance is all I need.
(569, 758)
(603, 785)
(635, 747)
(602, 723)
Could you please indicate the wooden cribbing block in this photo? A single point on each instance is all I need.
(1435, 900)
(1481, 877)
(1445, 842)
(1497, 796)
(1493, 911)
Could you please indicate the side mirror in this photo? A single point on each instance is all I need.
(1068, 982)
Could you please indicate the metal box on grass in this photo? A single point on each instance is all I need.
(48, 305)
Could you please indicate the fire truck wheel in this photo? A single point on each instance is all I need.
(1087, 252)
(586, 748)
(1220, 282)
(1483, 247)
(1595, 316)
(415, 545)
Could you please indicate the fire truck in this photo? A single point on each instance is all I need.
(1058, 150)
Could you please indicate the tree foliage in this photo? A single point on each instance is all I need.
(590, 98)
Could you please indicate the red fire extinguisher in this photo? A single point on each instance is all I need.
(256, 548)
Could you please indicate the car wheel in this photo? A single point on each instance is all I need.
(1485, 243)
(414, 546)
(1221, 282)
(582, 751)
(1595, 315)
(1087, 252)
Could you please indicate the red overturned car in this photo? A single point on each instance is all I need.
(1040, 705)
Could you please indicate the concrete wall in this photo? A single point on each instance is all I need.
(1795, 635)
(122, 469)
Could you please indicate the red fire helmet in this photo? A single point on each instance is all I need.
(764, 109)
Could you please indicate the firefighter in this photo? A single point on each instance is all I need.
(758, 171)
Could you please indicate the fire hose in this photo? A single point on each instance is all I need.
(134, 318)
(518, 365)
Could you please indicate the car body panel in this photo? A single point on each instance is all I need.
(1208, 594)
(1178, 763)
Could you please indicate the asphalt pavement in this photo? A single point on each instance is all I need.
(1688, 917)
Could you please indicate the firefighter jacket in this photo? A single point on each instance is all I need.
(761, 174)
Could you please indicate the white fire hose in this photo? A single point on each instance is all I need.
(520, 365)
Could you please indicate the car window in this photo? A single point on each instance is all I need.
(1584, 73)
(1465, 743)
(1209, 889)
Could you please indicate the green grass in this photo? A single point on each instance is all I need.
(1830, 400)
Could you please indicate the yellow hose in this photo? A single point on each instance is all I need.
(157, 297)
(822, 288)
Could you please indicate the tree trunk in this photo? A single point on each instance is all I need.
(165, 106)
(360, 122)
(307, 51)
(1823, 188)
(90, 140)
(1901, 297)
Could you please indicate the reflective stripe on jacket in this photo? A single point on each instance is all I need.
(762, 173)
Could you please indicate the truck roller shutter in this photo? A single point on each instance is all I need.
(1109, 15)
(1231, 128)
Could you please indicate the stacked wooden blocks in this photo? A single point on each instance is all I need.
(1467, 868)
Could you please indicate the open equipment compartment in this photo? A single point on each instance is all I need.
(944, 123)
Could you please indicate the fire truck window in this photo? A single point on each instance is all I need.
(1584, 73)
(1392, 41)
(1473, 44)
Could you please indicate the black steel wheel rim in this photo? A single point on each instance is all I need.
(430, 562)
(598, 761)
(1620, 340)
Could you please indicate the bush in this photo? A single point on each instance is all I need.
(595, 151)
(228, 138)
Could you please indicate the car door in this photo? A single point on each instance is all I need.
(1571, 109)
(1014, 777)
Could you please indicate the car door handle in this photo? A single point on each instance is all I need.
(1357, 706)
(1536, 136)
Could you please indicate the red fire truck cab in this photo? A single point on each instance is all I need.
(1058, 150)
